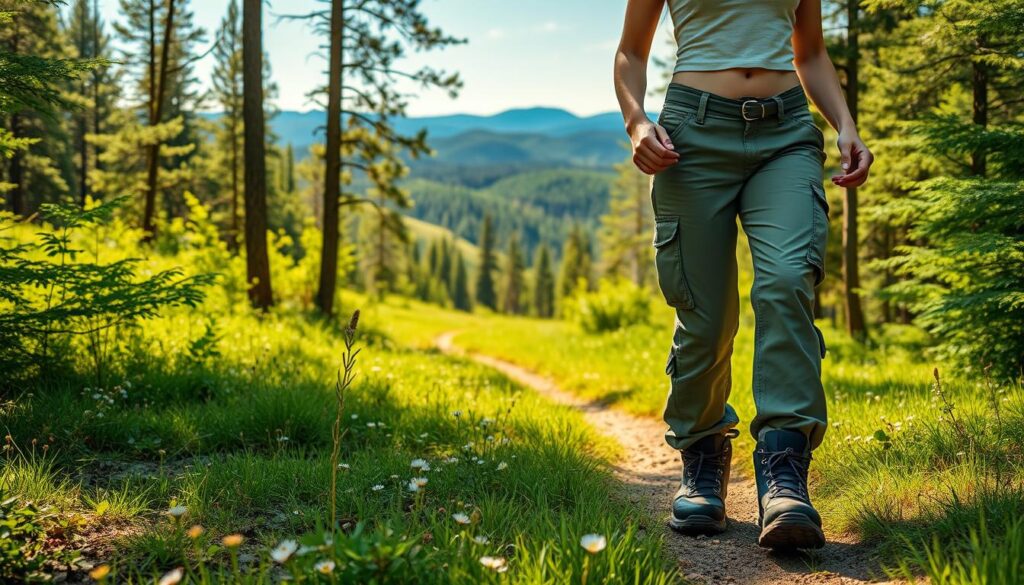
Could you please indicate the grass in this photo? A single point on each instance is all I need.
(904, 461)
(224, 416)
(242, 438)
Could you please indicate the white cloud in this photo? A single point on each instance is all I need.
(548, 27)
(496, 33)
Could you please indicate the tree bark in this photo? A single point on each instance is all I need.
(257, 262)
(855, 325)
(157, 88)
(332, 167)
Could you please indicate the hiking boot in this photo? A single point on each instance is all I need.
(787, 519)
(699, 505)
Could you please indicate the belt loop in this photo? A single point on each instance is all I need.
(702, 108)
(782, 110)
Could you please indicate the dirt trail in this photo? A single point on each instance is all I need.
(650, 474)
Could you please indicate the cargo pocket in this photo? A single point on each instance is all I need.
(821, 341)
(819, 231)
(669, 260)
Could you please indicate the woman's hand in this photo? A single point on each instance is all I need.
(652, 150)
(856, 160)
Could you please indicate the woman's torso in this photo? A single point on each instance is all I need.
(735, 48)
(739, 83)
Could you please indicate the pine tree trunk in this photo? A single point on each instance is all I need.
(257, 262)
(851, 273)
(332, 167)
(157, 89)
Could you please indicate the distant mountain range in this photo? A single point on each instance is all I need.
(529, 136)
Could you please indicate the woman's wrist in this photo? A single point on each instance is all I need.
(847, 125)
(635, 120)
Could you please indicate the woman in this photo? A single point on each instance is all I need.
(736, 139)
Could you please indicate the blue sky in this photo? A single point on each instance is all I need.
(520, 53)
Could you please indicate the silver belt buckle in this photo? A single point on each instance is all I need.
(743, 110)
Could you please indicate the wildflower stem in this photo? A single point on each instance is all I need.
(346, 374)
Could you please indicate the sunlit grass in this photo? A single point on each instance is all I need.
(241, 440)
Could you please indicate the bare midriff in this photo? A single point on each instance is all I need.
(737, 83)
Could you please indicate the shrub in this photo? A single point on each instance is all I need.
(51, 292)
(614, 305)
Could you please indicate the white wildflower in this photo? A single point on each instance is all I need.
(284, 551)
(325, 567)
(172, 578)
(494, 563)
(593, 543)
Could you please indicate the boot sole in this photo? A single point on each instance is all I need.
(791, 531)
(697, 525)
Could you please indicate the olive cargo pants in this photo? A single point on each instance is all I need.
(768, 172)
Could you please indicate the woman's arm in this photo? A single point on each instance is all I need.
(818, 76)
(652, 150)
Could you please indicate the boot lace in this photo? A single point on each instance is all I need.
(786, 472)
(703, 471)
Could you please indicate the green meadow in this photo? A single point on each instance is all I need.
(152, 447)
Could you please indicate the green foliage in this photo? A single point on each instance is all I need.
(964, 279)
(543, 284)
(31, 81)
(626, 229)
(614, 305)
(23, 534)
(514, 292)
(533, 203)
(461, 298)
(486, 295)
(50, 292)
(576, 271)
(369, 555)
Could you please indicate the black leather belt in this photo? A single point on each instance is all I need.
(755, 109)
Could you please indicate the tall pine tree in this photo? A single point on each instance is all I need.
(95, 94)
(512, 295)
(485, 289)
(227, 91)
(575, 270)
(461, 298)
(543, 284)
(367, 42)
(625, 235)
(33, 69)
